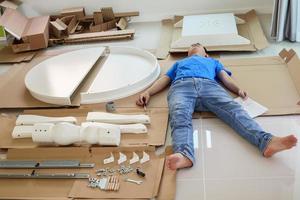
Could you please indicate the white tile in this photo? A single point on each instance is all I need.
(250, 189)
(231, 156)
(190, 190)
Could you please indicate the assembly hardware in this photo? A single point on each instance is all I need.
(34, 175)
(13, 164)
(140, 172)
(110, 107)
(133, 181)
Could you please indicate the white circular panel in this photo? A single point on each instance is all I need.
(126, 71)
(55, 79)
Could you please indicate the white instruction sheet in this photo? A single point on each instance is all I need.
(253, 108)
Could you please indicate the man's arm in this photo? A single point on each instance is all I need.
(157, 86)
(229, 84)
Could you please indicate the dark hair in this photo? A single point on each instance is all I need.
(199, 45)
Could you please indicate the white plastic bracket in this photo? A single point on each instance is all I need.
(122, 158)
(145, 158)
(135, 158)
(117, 118)
(110, 159)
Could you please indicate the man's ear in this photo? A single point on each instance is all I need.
(206, 55)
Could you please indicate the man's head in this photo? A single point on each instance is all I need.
(197, 49)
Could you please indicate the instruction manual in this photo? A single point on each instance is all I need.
(253, 108)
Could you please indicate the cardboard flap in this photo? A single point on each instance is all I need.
(14, 22)
(258, 37)
(293, 64)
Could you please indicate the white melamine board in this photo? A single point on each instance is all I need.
(212, 24)
(209, 30)
(126, 71)
(55, 79)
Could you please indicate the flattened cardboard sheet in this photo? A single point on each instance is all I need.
(156, 135)
(8, 56)
(148, 189)
(271, 81)
(43, 188)
(251, 30)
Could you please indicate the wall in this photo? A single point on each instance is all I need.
(151, 10)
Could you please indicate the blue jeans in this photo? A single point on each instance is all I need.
(187, 95)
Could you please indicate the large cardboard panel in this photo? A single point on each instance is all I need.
(251, 30)
(155, 137)
(149, 187)
(270, 81)
(20, 97)
(42, 188)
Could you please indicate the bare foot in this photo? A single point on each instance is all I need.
(278, 144)
(178, 161)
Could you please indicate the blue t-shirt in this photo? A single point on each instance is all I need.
(196, 67)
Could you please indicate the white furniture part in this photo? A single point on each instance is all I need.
(32, 119)
(126, 71)
(117, 118)
(125, 129)
(56, 79)
(66, 133)
(209, 30)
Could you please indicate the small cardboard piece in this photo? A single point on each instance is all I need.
(30, 33)
(122, 24)
(108, 14)
(70, 22)
(79, 12)
(98, 18)
(8, 56)
(156, 135)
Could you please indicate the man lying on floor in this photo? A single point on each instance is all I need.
(194, 87)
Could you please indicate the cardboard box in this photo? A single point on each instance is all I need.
(30, 33)
(79, 12)
(156, 135)
(62, 189)
(58, 28)
(250, 30)
(71, 22)
(122, 24)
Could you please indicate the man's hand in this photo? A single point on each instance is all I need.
(143, 99)
(243, 94)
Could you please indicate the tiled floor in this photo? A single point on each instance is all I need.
(228, 167)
